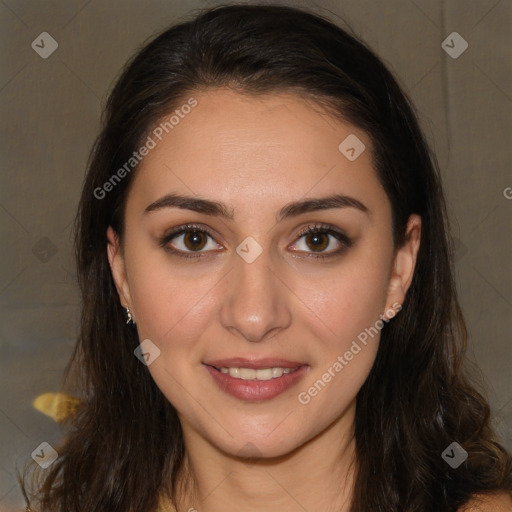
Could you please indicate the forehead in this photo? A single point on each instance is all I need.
(269, 146)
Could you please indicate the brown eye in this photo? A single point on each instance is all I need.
(195, 240)
(317, 241)
(189, 241)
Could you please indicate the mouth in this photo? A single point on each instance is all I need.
(255, 380)
(260, 374)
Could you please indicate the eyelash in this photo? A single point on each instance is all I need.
(309, 230)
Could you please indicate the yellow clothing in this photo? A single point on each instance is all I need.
(165, 506)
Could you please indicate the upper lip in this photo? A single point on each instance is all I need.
(240, 362)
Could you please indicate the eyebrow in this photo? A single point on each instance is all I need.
(293, 209)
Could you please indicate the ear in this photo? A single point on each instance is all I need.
(404, 264)
(117, 267)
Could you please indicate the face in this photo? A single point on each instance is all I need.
(260, 323)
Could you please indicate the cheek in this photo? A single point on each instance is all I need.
(169, 298)
(347, 312)
(349, 300)
(174, 310)
(175, 306)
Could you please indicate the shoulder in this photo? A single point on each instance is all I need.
(499, 502)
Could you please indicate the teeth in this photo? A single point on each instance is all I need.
(243, 373)
(260, 374)
(277, 372)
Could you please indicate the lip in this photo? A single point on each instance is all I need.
(255, 390)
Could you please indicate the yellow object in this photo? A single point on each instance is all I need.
(165, 505)
(57, 406)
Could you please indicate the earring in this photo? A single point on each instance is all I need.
(129, 317)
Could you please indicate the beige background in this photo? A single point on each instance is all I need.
(51, 109)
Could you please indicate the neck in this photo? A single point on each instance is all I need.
(318, 475)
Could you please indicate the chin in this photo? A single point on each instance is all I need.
(258, 443)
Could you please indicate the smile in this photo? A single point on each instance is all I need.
(252, 374)
(254, 381)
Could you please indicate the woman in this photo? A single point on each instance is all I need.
(269, 314)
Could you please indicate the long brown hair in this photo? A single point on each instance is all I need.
(124, 444)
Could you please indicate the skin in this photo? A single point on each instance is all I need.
(257, 154)
(498, 502)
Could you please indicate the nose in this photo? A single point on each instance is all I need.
(256, 302)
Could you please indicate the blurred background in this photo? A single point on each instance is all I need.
(60, 59)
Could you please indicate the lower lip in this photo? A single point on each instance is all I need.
(256, 390)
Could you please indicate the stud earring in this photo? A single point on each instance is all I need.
(129, 317)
